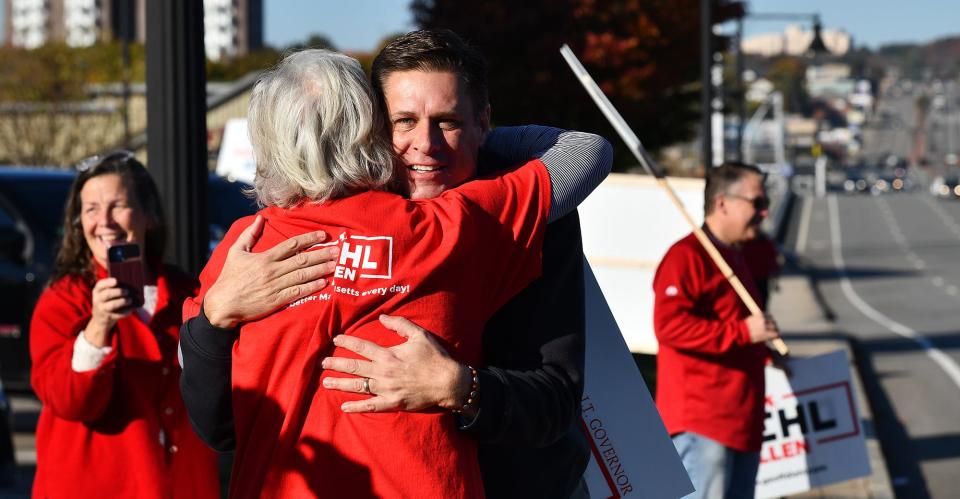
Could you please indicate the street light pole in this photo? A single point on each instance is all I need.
(816, 47)
(741, 94)
(706, 63)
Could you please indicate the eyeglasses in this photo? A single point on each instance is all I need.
(88, 163)
(759, 203)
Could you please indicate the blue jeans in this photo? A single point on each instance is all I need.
(717, 472)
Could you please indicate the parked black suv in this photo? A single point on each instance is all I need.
(31, 217)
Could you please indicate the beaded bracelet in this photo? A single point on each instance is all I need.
(474, 389)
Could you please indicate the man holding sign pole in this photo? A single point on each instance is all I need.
(710, 366)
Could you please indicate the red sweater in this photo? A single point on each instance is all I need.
(99, 433)
(446, 264)
(710, 377)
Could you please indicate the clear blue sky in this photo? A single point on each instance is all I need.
(871, 22)
(356, 25)
(361, 24)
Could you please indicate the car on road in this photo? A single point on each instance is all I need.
(858, 181)
(893, 180)
(946, 187)
(31, 218)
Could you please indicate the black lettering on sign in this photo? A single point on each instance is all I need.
(603, 449)
(787, 422)
(820, 424)
(784, 423)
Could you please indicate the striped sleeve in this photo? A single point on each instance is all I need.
(576, 161)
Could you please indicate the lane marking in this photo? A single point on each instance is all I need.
(804, 230)
(944, 216)
(941, 359)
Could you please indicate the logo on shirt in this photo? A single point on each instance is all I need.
(369, 257)
(671, 291)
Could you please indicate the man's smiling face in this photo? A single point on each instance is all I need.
(436, 131)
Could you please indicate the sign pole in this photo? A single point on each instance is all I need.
(648, 164)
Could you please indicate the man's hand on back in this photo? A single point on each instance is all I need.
(252, 285)
(412, 376)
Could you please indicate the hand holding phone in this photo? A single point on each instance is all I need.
(125, 264)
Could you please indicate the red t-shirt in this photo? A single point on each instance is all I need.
(446, 264)
(709, 376)
(760, 253)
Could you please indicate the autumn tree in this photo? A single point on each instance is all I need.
(788, 75)
(644, 54)
(230, 69)
(46, 114)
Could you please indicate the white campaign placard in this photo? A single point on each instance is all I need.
(236, 153)
(813, 435)
(623, 258)
(632, 455)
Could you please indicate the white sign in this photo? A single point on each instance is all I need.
(632, 455)
(236, 159)
(624, 258)
(813, 435)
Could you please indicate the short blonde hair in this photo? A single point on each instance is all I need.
(317, 131)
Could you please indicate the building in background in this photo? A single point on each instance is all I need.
(232, 27)
(795, 41)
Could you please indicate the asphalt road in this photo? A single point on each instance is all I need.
(943, 125)
(888, 268)
(891, 128)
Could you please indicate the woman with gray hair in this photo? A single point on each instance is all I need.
(445, 263)
(315, 132)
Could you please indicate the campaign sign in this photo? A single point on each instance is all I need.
(632, 455)
(813, 435)
(236, 159)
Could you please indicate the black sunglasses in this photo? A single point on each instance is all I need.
(759, 203)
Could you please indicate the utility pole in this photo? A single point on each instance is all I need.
(741, 92)
(706, 63)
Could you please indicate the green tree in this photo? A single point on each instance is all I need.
(788, 75)
(314, 41)
(46, 116)
(644, 54)
(237, 67)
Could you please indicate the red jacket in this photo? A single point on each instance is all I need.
(710, 377)
(99, 433)
(446, 264)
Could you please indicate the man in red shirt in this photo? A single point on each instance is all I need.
(710, 380)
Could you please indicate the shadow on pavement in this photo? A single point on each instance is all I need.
(937, 447)
(898, 344)
(899, 450)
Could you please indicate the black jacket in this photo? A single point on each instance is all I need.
(531, 444)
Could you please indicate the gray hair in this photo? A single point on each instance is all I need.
(317, 131)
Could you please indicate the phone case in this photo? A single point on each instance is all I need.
(129, 273)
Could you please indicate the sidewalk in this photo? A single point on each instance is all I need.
(808, 332)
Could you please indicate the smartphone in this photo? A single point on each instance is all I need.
(126, 265)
